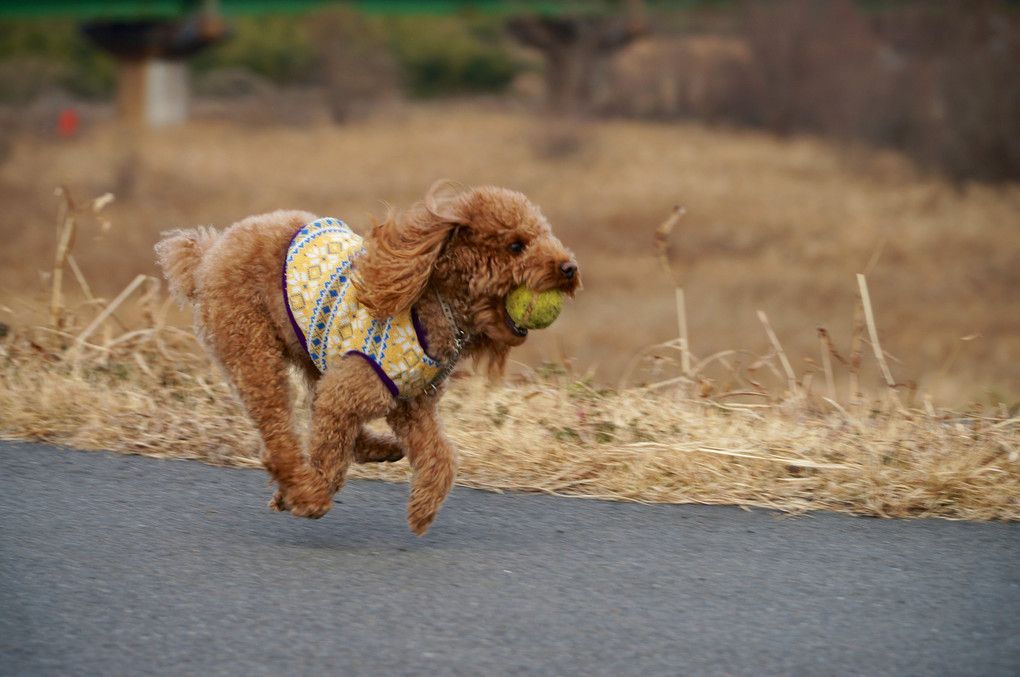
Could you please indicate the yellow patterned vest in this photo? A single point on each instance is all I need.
(332, 323)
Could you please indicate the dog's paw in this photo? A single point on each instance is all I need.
(420, 519)
(373, 448)
(419, 527)
(302, 500)
(277, 503)
(380, 456)
(312, 508)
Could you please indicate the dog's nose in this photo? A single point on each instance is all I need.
(569, 269)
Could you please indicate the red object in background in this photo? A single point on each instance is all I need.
(67, 123)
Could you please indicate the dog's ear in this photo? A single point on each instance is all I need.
(401, 253)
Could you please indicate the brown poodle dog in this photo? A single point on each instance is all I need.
(431, 282)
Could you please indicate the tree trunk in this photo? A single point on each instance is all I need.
(577, 52)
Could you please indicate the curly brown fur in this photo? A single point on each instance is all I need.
(471, 247)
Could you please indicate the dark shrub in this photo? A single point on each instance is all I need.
(938, 81)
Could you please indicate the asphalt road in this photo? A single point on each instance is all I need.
(119, 565)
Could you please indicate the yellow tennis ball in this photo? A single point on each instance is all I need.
(534, 310)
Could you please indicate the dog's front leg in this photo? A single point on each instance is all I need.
(432, 456)
(347, 395)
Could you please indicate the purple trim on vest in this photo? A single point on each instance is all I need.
(419, 330)
(286, 299)
(383, 376)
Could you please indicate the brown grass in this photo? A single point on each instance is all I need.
(777, 226)
(146, 392)
(759, 436)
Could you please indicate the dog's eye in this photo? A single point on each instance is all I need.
(516, 247)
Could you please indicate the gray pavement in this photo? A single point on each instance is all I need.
(119, 565)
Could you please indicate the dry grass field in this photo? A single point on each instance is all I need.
(780, 226)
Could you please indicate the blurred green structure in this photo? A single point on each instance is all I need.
(126, 10)
(151, 39)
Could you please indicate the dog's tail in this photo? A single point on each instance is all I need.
(179, 254)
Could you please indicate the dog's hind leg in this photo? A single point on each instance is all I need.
(431, 454)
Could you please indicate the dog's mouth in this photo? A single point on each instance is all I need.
(517, 331)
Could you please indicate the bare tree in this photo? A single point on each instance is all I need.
(578, 50)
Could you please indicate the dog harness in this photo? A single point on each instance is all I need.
(332, 323)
